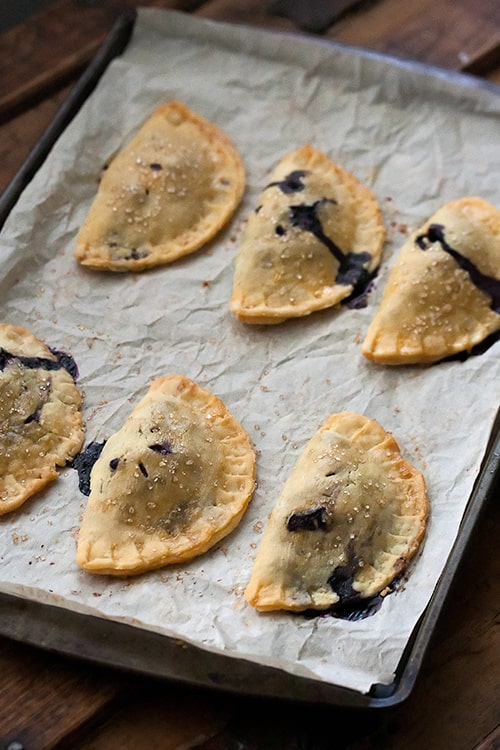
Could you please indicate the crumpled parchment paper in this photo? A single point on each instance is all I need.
(418, 139)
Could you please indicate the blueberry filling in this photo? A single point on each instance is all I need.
(341, 580)
(352, 609)
(487, 284)
(35, 417)
(164, 449)
(143, 469)
(84, 462)
(113, 464)
(351, 605)
(308, 520)
(155, 166)
(292, 182)
(62, 361)
(351, 271)
(44, 397)
(67, 362)
(5, 358)
(359, 295)
(136, 254)
(280, 230)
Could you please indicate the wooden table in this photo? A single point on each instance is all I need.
(47, 701)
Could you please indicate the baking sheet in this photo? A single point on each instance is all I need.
(418, 141)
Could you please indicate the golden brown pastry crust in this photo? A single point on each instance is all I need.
(172, 482)
(165, 194)
(435, 303)
(349, 518)
(316, 233)
(41, 424)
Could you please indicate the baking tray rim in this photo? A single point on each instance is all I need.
(29, 621)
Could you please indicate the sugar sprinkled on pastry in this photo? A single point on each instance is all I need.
(164, 195)
(173, 481)
(443, 293)
(349, 518)
(315, 237)
(41, 424)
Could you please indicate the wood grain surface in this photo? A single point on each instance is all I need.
(51, 702)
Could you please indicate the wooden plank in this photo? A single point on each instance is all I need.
(419, 30)
(315, 15)
(446, 33)
(494, 75)
(20, 134)
(158, 715)
(491, 742)
(485, 59)
(75, 30)
(415, 30)
(248, 12)
(44, 700)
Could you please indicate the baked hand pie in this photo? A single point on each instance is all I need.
(41, 426)
(172, 482)
(315, 237)
(443, 293)
(164, 195)
(349, 518)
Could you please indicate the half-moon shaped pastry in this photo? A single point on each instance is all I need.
(41, 424)
(349, 518)
(164, 195)
(316, 236)
(443, 293)
(172, 482)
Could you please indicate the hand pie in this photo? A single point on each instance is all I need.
(350, 516)
(443, 293)
(172, 482)
(315, 237)
(164, 195)
(41, 424)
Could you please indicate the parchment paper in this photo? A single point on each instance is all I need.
(419, 140)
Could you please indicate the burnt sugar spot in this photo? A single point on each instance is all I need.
(487, 284)
(292, 182)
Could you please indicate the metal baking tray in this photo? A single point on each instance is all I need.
(133, 649)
